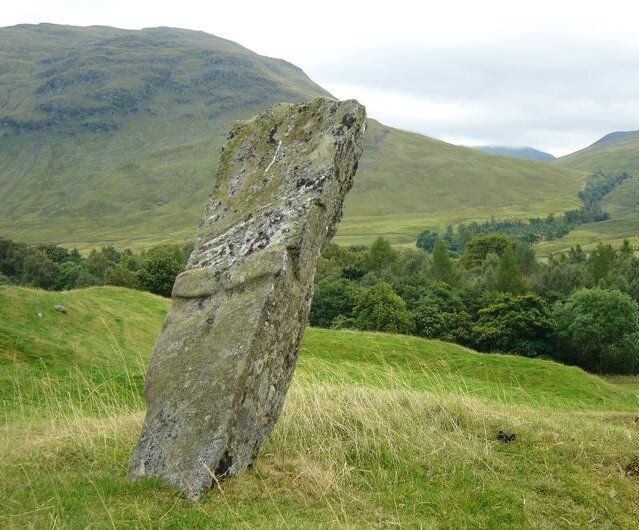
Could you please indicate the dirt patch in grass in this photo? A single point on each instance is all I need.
(632, 469)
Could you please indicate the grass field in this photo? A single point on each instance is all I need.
(613, 231)
(379, 431)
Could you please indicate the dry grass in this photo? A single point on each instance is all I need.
(379, 431)
(350, 458)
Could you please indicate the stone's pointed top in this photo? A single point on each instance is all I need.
(272, 169)
(222, 365)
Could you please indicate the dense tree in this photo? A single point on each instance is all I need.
(57, 254)
(121, 276)
(558, 280)
(12, 257)
(427, 240)
(161, 266)
(483, 305)
(601, 262)
(380, 256)
(482, 245)
(52, 267)
(577, 255)
(334, 260)
(434, 318)
(379, 308)
(508, 274)
(68, 275)
(410, 263)
(412, 287)
(526, 259)
(443, 268)
(333, 298)
(97, 265)
(514, 324)
(597, 330)
(39, 270)
(486, 280)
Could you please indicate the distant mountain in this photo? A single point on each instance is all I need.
(112, 135)
(527, 153)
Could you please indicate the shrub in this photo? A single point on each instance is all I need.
(332, 298)
(379, 308)
(514, 324)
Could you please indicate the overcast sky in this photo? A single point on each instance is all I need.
(554, 75)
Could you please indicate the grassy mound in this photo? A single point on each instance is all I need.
(379, 431)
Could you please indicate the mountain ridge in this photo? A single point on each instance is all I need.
(527, 153)
(614, 136)
(112, 135)
(614, 153)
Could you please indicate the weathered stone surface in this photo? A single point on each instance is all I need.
(221, 368)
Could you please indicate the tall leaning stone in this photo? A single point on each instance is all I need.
(221, 368)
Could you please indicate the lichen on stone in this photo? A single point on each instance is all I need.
(222, 365)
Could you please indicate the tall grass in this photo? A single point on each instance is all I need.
(378, 431)
(351, 456)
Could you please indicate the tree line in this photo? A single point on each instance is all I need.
(53, 267)
(535, 229)
(577, 308)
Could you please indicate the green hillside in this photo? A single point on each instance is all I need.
(613, 153)
(114, 134)
(111, 135)
(616, 152)
(408, 182)
(378, 431)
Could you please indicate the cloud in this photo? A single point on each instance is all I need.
(540, 91)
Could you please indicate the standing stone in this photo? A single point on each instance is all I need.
(224, 360)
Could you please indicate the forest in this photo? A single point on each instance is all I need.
(577, 308)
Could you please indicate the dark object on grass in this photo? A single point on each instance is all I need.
(506, 437)
(60, 309)
(632, 469)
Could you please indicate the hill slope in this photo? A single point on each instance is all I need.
(379, 430)
(527, 153)
(112, 135)
(109, 133)
(614, 153)
(408, 182)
